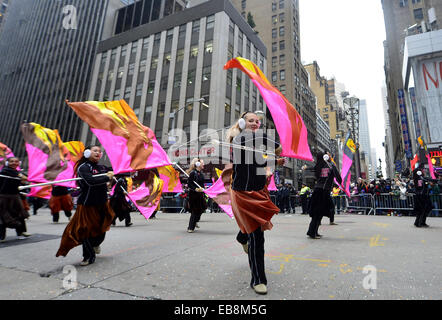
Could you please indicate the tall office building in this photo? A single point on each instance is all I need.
(277, 23)
(47, 50)
(364, 136)
(388, 143)
(164, 67)
(403, 18)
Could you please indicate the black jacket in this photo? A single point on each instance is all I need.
(93, 189)
(249, 168)
(195, 176)
(9, 186)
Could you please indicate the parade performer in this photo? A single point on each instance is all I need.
(422, 201)
(197, 199)
(93, 216)
(12, 212)
(250, 198)
(60, 200)
(321, 203)
(119, 203)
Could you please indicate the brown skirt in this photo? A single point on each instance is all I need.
(58, 203)
(12, 210)
(253, 209)
(87, 222)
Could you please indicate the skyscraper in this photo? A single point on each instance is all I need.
(47, 50)
(364, 135)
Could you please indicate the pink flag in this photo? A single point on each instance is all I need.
(129, 145)
(288, 122)
(47, 156)
(220, 191)
(171, 179)
(147, 197)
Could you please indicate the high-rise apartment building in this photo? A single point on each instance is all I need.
(47, 49)
(165, 67)
(403, 18)
(277, 23)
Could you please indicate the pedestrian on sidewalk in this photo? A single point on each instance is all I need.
(250, 198)
(12, 212)
(93, 216)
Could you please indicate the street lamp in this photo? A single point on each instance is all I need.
(172, 116)
(353, 113)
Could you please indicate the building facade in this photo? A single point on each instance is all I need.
(4, 4)
(40, 70)
(322, 134)
(403, 18)
(164, 69)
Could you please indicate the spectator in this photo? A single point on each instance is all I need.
(435, 198)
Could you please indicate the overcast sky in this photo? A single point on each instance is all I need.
(346, 37)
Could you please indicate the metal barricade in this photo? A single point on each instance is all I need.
(436, 200)
(387, 203)
(361, 203)
(171, 203)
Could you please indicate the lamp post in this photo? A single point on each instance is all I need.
(353, 119)
(171, 139)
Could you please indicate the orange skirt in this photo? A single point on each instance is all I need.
(58, 203)
(253, 209)
(87, 222)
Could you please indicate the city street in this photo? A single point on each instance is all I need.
(158, 259)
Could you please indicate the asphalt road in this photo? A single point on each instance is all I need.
(158, 259)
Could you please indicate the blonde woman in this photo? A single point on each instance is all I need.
(251, 203)
(197, 200)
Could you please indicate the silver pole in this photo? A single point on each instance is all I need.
(54, 182)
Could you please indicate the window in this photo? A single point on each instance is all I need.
(274, 76)
(127, 92)
(164, 81)
(210, 24)
(117, 94)
(208, 47)
(282, 59)
(274, 46)
(282, 31)
(177, 80)
(134, 47)
(243, 4)
(167, 58)
(282, 89)
(142, 66)
(282, 17)
(281, 4)
(156, 39)
(238, 83)
(194, 52)
(139, 89)
(274, 19)
(191, 77)
(151, 86)
(281, 45)
(207, 73)
(403, 3)
(123, 52)
(274, 33)
(196, 26)
(169, 35)
(274, 7)
(110, 75)
(131, 69)
(180, 55)
(229, 77)
(145, 43)
(282, 75)
(154, 63)
(182, 32)
(418, 14)
(274, 61)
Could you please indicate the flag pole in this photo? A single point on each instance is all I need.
(8, 177)
(176, 164)
(55, 182)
